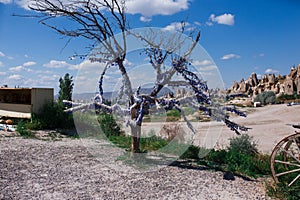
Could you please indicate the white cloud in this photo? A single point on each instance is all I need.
(43, 72)
(56, 64)
(225, 19)
(19, 68)
(127, 63)
(271, 71)
(1, 64)
(209, 23)
(28, 64)
(44, 78)
(230, 56)
(6, 1)
(16, 69)
(89, 66)
(208, 68)
(259, 76)
(205, 65)
(145, 19)
(2, 73)
(202, 63)
(175, 26)
(15, 77)
(147, 8)
(1, 53)
(197, 23)
(150, 8)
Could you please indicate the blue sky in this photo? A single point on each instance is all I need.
(241, 37)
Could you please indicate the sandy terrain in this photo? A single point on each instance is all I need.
(37, 169)
(88, 169)
(268, 126)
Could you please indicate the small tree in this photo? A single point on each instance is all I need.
(65, 88)
(267, 97)
(101, 22)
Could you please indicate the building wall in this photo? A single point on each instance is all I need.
(15, 107)
(39, 97)
(21, 102)
(15, 95)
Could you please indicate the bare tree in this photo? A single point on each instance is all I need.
(96, 20)
(100, 21)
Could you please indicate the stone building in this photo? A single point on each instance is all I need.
(22, 102)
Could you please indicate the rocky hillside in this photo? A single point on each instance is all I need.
(279, 84)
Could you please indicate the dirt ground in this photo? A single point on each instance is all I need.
(70, 168)
(269, 124)
(88, 169)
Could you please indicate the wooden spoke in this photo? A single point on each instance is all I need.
(285, 160)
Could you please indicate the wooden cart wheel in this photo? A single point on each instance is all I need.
(285, 160)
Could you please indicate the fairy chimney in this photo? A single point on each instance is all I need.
(271, 79)
(243, 86)
(289, 86)
(254, 78)
(297, 83)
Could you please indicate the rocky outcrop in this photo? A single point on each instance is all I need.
(289, 86)
(297, 83)
(279, 84)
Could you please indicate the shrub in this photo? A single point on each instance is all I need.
(173, 115)
(282, 191)
(191, 153)
(109, 125)
(217, 156)
(23, 131)
(241, 157)
(243, 144)
(53, 116)
(266, 97)
(286, 97)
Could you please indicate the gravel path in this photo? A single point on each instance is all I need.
(37, 169)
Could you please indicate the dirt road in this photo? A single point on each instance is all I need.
(268, 126)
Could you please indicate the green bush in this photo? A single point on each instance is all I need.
(152, 143)
(109, 125)
(266, 97)
(173, 115)
(243, 144)
(23, 131)
(53, 116)
(282, 191)
(217, 156)
(241, 157)
(245, 164)
(191, 153)
(286, 97)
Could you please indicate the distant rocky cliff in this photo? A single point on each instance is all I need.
(286, 84)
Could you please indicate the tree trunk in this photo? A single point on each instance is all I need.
(135, 132)
(135, 142)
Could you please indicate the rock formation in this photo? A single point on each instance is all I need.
(279, 84)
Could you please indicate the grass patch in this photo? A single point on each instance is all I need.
(23, 131)
(285, 97)
(152, 143)
(282, 191)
